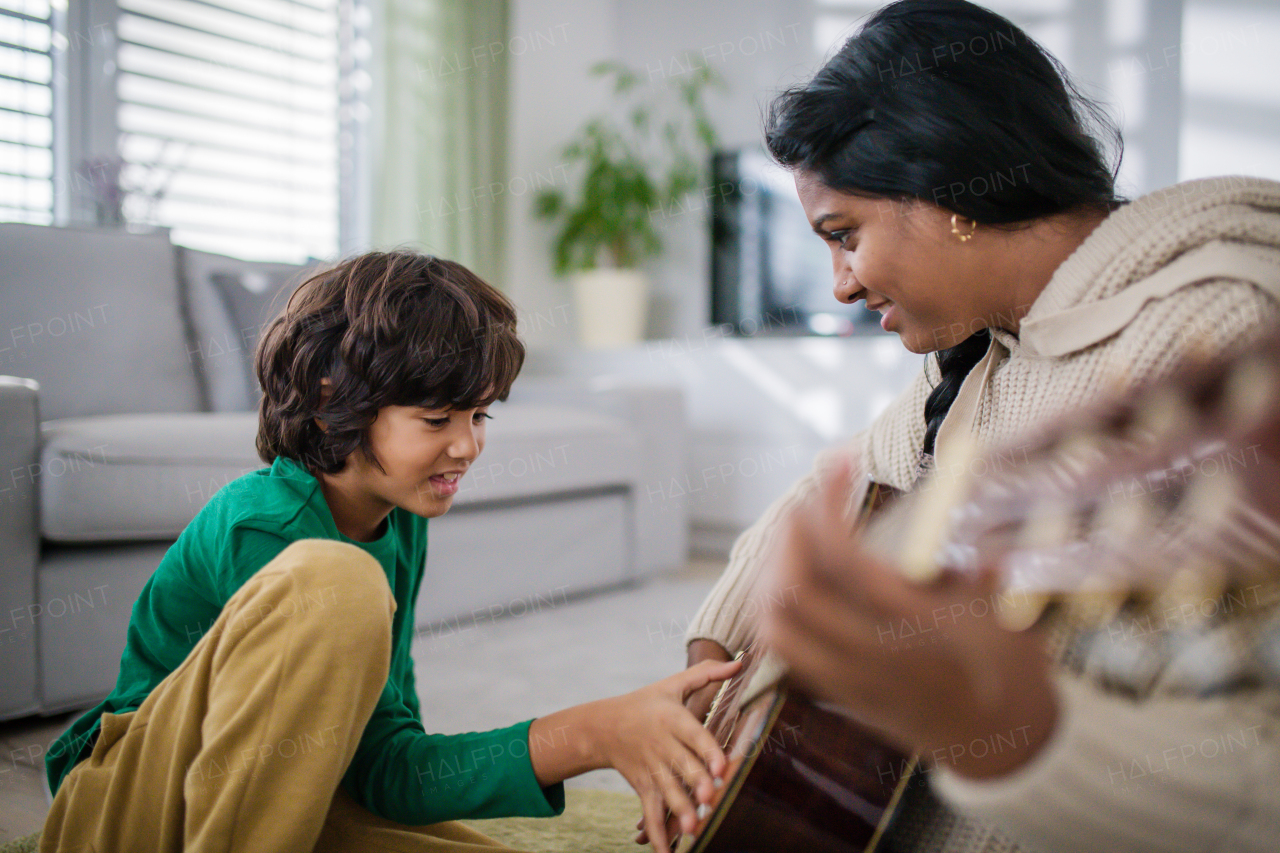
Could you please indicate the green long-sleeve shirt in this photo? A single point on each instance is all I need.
(399, 771)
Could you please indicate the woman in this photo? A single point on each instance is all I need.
(961, 184)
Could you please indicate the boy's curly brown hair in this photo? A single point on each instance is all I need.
(385, 329)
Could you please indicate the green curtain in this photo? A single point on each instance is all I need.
(439, 134)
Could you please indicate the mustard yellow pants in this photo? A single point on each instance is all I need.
(241, 747)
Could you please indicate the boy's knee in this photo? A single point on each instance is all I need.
(338, 577)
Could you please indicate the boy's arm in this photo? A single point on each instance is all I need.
(409, 689)
(404, 774)
(649, 737)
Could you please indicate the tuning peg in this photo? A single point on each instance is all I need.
(1252, 388)
(1126, 518)
(1020, 609)
(1190, 588)
(1165, 413)
(1211, 498)
(1097, 601)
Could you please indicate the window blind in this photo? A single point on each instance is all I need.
(228, 116)
(26, 112)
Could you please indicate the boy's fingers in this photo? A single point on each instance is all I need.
(678, 802)
(691, 770)
(673, 831)
(654, 814)
(710, 760)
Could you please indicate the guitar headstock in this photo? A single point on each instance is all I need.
(1169, 490)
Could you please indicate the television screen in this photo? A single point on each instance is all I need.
(771, 275)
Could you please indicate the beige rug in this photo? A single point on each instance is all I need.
(26, 844)
(593, 822)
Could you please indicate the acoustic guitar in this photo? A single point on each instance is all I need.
(1167, 498)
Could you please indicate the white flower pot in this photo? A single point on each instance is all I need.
(612, 306)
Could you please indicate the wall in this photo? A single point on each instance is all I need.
(551, 95)
(758, 45)
(760, 409)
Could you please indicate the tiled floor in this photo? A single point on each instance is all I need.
(473, 676)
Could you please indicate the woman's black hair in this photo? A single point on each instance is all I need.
(951, 104)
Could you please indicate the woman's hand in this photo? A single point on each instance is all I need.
(699, 701)
(926, 665)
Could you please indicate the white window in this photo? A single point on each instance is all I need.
(1231, 115)
(228, 122)
(26, 112)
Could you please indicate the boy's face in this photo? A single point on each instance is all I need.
(424, 453)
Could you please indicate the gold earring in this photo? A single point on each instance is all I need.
(955, 228)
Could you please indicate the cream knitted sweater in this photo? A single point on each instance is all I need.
(1195, 267)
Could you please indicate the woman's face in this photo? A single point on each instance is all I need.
(932, 289)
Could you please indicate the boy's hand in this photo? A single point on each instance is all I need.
(662, 750)
(699, 704)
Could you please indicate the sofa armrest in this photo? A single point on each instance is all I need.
(657, 413)
(19, 543)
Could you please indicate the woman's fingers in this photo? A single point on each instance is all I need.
(699, 702)
(818, 555)
(830, 620)
(701, 674)
(819, 666)
(835, 487)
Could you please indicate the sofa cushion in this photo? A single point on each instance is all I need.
(124, 478)
(137, 477)
(94, 317)
(231, 301)
(534, 449)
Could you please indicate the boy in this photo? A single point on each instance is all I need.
(266, 698)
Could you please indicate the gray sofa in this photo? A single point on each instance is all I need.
(126, 401)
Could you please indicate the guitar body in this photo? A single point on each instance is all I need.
(802, 777)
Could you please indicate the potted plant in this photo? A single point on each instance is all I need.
(635, 166)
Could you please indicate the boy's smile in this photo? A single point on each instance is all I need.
(445, 485)
(423, 453)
